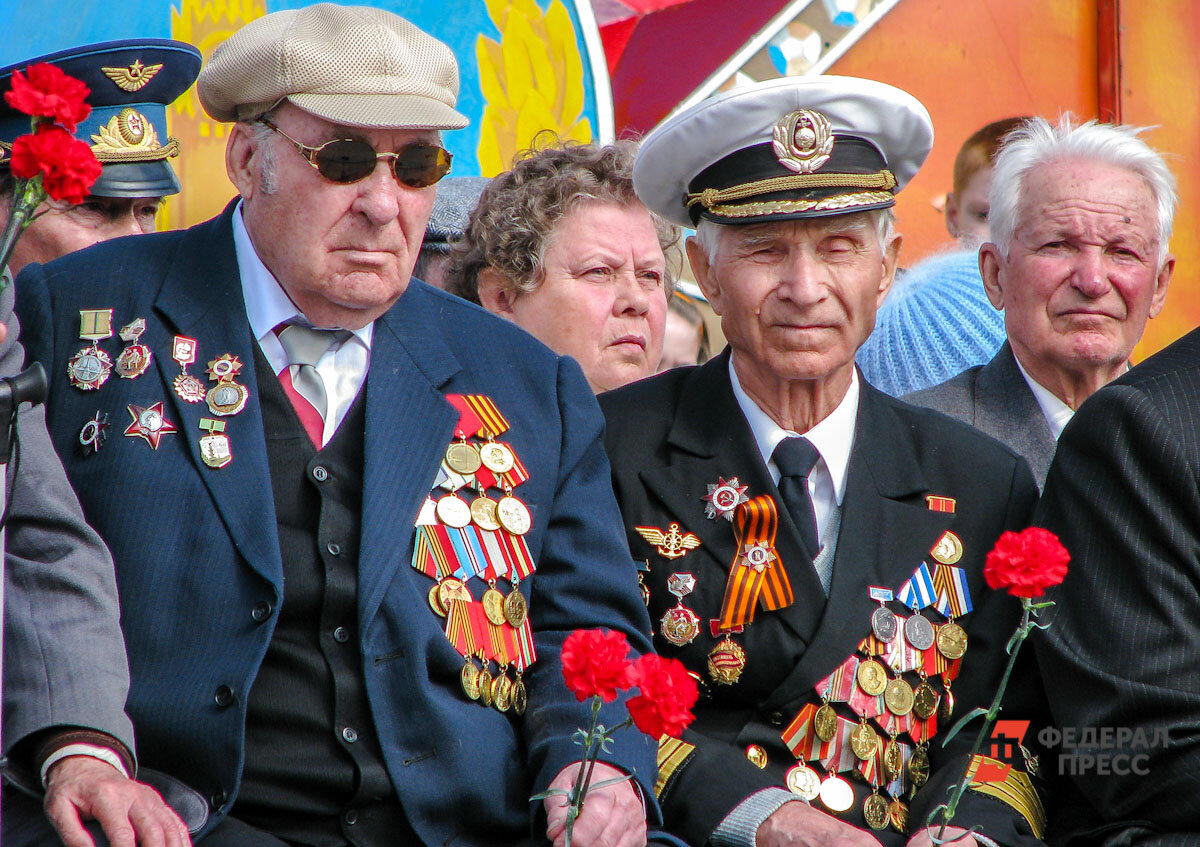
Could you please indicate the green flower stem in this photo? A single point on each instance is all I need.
(593, 742)
(26, 199)
(1023, 629)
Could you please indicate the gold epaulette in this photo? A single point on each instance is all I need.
(1016, 790)
(672, 753)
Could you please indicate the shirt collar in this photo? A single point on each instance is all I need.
(1055, 411)
(267, 305)
(833, 437)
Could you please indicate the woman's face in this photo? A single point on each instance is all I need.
(603, 300)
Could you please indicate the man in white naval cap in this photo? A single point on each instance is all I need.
(814, 549)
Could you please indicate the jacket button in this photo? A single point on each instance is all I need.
(261, 611)
(223, 696)
(350, 817)
(776, 718)
(350, 734)
(341, 635)
(218, 800)
(320, 474)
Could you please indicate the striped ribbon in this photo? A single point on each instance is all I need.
(799, 735)
(918, 592)
(953, 594)
(459, 631)
(836, 755)
(840, 685)
(755, 522)
(468, 422)
(492, 421)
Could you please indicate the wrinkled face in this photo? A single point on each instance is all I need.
(1082, 274)
(681, 343)
(61, 229)
(797, 298)
(967, 213)
(343, 253)
(603, 300)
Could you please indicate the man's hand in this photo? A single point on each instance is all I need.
(613, 816)
(797, 824)
(82, 788)
(922, 839)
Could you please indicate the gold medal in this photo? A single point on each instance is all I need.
(226, 397)
(952, 640)
(486, 687)
(90, 367)
(893, 759)
(502, 691)
(898, 816)
(918, 767)
(215, 449)
(947, 707)
(679, 625)
(435, 600)
(469, 677)
(726, 662)
(453, 511)
(836, 794)
(898, 697)
(451, 589)
(948, 549)
(462, 458)
(803, 781)
(875, 812)
(135, 358)
(757, 756)
(493, 606)
(513, 515)
(825, 722)
(496, 457)
(520, 696)
(925, 700)
(516, 609)
(864, 741)
(872, 678)
(483, 513)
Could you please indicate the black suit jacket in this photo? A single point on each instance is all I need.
(1123, 494)
(671, 436)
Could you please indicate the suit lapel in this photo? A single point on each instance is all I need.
(212, 311)
(882, 487)
(1008, 409)
(409, 423)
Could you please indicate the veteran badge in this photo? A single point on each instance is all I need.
(135, 358)
(188, 388)
(93, 434)
(723, 497)
(89, 368)
(680, 625)
(726, 662)
(215, 449)
(226, 397)
(672, 544)
(149, 424)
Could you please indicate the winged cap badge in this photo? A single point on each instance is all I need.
(672, 544)
(133, 77)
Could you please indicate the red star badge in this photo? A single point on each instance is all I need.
(149, 423)
(723, 497)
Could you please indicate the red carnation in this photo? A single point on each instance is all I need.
(596, 664)
(668, 692)
(67, 166)
(47, 92)
(1026, 563)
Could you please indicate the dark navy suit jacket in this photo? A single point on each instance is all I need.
(196, 548)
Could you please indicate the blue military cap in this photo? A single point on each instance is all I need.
(132, 82)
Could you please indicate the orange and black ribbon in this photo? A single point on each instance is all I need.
(755, 522)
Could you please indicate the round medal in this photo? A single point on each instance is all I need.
(493, 606)
(925, 700)
(486, 687)
(919, 632)
(872, 678)
(893, 760)
(726, 662)
(226, 398)
(502, 690)
(483, 513)
(864, 741)
(898, 697)
(757, 756)
(516, 609)
(451, 589)
(918, 767)
(946, 709)
(825, 722)
(435, 600)
(952, 640)
(453, 511)
(89, 368)
(680, 625)
(836, 794)
(133, 361)
(189, 389)
(469, 677)
(496, 457)
(520, 696)
(898, 816)
(883, 624)
(875, 812)
(462, 458)
(948, 550)
(513, 515)
(803, 781)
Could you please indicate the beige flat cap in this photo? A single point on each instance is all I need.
(353, 65)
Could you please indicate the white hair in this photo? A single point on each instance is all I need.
(1036, 142)
(708, 233)
(264, 141)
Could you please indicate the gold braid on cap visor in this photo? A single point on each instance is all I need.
(717, 200)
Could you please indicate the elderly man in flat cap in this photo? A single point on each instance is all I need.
(814, 549)
(353, 518)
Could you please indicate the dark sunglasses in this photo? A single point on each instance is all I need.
(347, 160)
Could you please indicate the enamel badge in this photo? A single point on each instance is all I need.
(724, 497)
(149, 424)
(672, 544)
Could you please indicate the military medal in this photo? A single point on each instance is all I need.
(825, 723)
(893, 759)
(226, 397)
(925, 700)
(453, 511)
(680, 625)
(483, 513)
(214, 447)
(485, 687)
(149, 424)
(898, 816)
(516, 609)
(947, 707)
(757, 756)
(864, 741)
(836, 794)
(513, 515)
(883, 621)
(918, 766)
(135, 358)
(919, 632)
(875, 812)
(952, 640)
(726, 662)
(723, 497)
(90, 367)
(188, 388)
(93, 434)
(520, 696)
(672, 544)
(435, 601)
(502, 697)
(803, 781)
(493, 606)
(451, 589)
(872, 678)
(643, 568)
(948, 549)
(898, 697)
(497, 457)
(462, 458)
(469, 677)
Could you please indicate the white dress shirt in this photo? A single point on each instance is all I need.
(833, 437)
(1057, 413)
(343, 370)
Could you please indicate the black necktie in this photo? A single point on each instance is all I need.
(796, 457)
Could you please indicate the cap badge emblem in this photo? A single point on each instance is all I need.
(133, 77)
(803, 141)
(130, 135)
